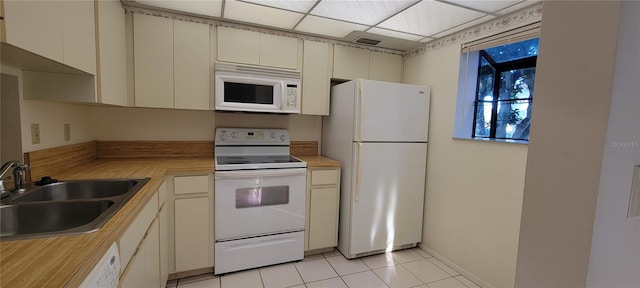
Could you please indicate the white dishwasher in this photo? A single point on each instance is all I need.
(106, 272)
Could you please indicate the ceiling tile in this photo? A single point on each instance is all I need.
(394, 34)
(430, 17)
(209, 8)
(328, 27)
(246, 12)
(368, 12)
(488, 6)
(293, 5)
(518, 6)
(464, 26)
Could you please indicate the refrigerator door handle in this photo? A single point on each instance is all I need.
(358, 162)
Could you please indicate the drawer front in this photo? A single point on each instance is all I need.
(191, 184)
(324, 177)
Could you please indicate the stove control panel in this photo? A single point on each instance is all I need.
(249, 136)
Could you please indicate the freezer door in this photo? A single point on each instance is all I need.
(391, 112)
(388, 195)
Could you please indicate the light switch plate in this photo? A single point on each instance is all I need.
(35, 133)
(634, 200)
(67, 132)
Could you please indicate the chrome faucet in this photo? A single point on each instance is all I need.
(18, 176)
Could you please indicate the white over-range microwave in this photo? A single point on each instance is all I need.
(256, 89)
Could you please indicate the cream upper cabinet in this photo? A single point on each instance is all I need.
(191, 65)
(278, 51)
(323, 200)
(112, 53)
(248, 47)
(350, 63)
(153, 61)
(171, 63)
(385, 67)
(239, 46)
(79, 35)
(316, 73)
(63, 31)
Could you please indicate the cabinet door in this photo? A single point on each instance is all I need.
(152, 256)
(113, 53)
(134, 275)
(323, 218)
(35, 26)
(385, 67)
(315, 78)
(240, 46)
(191, 65)
(350, 63)
(153, 61)
(164, 244)
(278, 51)
(79, 35)
(192, 230)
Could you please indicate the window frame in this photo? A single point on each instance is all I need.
(499, 68)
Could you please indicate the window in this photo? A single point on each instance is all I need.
(505, 91)
(496, 86)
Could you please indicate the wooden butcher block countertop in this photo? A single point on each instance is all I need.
(320, 162)
(66, 260)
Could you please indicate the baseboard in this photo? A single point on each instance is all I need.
(178, 275)
(454, 266)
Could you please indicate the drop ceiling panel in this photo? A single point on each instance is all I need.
(395, 34)
(464, 26)
(329, 27)
(488, 6)
(297, 5)
(517, 7)
(430, 17)
(246, 12)
(209, 8)
(368, 12)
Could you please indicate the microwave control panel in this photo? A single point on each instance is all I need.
(291, 95)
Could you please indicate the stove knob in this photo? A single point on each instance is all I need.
(223, 137)
(282, 138)
(273, 135)
(234, 134)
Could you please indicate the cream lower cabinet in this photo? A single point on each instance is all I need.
(141, 246)
(193, 222)
(323, 199)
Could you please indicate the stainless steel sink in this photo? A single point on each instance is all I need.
(64, 208)
(85, 189)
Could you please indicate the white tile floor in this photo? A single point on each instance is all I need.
(400, 269)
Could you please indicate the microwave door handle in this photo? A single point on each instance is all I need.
(261, 173)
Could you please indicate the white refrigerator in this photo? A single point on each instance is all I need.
(379, 131)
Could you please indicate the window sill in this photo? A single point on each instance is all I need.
(520, 142)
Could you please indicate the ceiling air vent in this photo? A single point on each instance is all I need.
(368, 41)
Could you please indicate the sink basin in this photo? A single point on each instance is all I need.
(64, 208)
(83, 189)
(38, 217)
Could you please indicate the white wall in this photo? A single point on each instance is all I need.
(574, 82)
(474, 188)
(615, 248)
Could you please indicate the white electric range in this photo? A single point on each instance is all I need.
(260, 193)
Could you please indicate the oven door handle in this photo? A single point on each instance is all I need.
(259, 173)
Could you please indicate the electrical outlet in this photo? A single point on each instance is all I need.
(35, 133)
(67, 132)
(634, 200)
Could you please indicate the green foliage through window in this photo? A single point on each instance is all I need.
(505, 89)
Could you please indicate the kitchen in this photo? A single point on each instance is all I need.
(458, 233)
